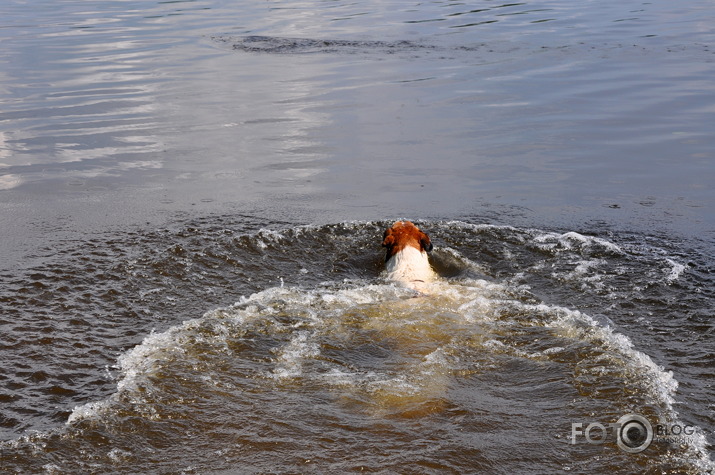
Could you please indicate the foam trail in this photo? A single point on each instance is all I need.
(422, 344)
(290, 357)
(676, 270)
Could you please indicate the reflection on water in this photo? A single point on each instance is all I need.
(118, 116)
(527, 96)
(81, 90)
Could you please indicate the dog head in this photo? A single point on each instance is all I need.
(403, 234)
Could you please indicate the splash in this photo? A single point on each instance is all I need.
(485, 342)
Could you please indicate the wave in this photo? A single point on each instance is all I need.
(515, 333)
(381, 348)
(282, 45)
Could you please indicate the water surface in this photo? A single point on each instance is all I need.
(192, 198)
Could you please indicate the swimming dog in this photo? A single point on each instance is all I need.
(406, 260)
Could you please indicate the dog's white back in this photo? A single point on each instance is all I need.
(406, 260)
(409, 265)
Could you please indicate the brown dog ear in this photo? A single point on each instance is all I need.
(425, 243)
(388, 240)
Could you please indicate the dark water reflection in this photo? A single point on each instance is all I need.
(545, 103)
(119, 118)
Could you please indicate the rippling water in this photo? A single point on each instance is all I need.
(319, 357)
(193, 195)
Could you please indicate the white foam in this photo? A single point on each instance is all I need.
(136, 364)
(585, 274)
(653, 378)
(572, 240)
(549, 241)
(456, 255)
(267, 236)
(291, 356)
(89, 410)
(117, 455)
(659, 382)
(676, 270)
(584, 267)
(476, 302)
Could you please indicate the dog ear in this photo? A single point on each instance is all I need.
(388, 240)
(425, 243)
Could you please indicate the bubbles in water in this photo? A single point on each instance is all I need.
(482, 345)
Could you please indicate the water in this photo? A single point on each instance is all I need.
(193, 195)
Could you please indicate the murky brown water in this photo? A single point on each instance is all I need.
(192, 197)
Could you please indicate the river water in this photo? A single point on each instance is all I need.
(192, 199)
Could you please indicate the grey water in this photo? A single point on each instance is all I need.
(192, 195)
